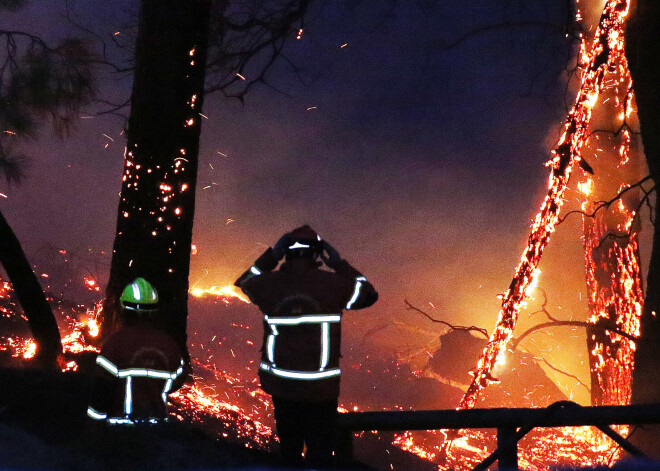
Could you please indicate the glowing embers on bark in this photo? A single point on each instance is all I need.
(613, 275)
(605, 52)
(612, 255)
(615, 302)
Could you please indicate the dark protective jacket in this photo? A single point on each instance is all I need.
(135, 370)
(303, 307)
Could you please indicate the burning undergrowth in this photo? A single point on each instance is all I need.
(225, 338)
(226, 401)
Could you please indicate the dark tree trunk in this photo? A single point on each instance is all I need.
(31, 296)
(643, 53)
(157, 201)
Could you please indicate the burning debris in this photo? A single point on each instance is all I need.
(199, 404)
(226, 399)
(522, 381)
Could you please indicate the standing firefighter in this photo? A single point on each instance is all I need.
(138, 364)
(302, 307)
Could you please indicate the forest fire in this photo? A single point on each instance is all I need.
(605, 54)
(227, 401)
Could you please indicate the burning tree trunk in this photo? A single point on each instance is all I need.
(606, 47)
(615, 302)
(643, 51)
(31, 296)
(611, 237)
(157, 201)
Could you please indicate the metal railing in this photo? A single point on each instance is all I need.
(511, 424)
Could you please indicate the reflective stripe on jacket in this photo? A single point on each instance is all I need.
(136, 369)
(302, 308)
(281, 355)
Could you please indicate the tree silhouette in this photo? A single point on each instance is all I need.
(181, 46)
(642, 50)
(38, 83)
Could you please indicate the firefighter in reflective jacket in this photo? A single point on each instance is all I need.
(302, 307)
(138, 364)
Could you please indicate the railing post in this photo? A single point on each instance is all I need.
(344, 447)
(508, 459)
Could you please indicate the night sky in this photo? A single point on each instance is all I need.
(421, 163)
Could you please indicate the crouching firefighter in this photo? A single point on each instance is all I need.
(302, 307)
(138, 366)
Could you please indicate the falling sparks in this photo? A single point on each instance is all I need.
(234, 408)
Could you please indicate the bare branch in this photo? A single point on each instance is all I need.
(554, 368)
(501, 26)
(104, 60)
(608, 203)
(543, 306)
(515, 342)
(471, 328)
(248, 42)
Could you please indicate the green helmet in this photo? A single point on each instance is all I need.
(139, 296)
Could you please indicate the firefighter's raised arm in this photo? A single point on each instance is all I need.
(267, 261)
(363, 294)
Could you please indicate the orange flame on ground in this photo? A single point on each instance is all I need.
(226, 292)
(201, 404)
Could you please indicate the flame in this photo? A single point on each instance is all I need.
(202, 404)
(30, 349)
(227, 292)
(586, 187)
(608, 37)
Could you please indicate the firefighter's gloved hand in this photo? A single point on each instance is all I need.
(332, 258)
(279, 249)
